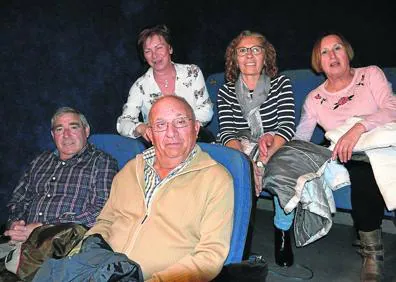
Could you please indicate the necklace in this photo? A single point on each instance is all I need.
(165, 82)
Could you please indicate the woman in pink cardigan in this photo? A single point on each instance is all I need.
(347, 92)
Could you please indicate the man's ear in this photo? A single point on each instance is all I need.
(197, 126)
(149, 134)
(170, 50)
(87, 131)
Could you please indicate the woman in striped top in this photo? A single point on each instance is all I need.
(256, 116)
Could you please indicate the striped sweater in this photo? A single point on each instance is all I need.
(277, 112)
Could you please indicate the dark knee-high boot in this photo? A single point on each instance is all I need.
(372, 252)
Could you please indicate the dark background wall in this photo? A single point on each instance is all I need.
(82, 54)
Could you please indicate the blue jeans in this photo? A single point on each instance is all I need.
(282, 220)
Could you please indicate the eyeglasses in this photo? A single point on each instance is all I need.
(256, 50)
(162, 125)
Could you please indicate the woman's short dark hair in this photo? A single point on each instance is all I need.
(160, 30)
(231, 66)
(315, 56)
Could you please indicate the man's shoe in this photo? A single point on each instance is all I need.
(283, 250)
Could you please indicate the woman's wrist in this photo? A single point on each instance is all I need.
(360, 128)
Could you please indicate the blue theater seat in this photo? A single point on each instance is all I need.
(239, 167)
(123, 149)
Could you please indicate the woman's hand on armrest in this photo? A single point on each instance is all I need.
(344, 147)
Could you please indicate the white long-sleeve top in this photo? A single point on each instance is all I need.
(190, 84)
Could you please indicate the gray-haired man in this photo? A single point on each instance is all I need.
(70, 184)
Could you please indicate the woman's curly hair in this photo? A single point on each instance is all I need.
(231, 66)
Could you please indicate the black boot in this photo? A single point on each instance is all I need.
(283, 249)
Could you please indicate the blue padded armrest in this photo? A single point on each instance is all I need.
(121, 148)
(239, 167)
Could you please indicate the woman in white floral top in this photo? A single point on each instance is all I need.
(163, 78)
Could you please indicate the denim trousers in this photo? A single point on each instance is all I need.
(282, 220)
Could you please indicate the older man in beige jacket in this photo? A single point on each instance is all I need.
(171, 208)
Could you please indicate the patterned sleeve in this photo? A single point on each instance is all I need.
(22, 195)
(227, 127)
(285, 110)
(129, 120)
(204, 106)
(106, 168)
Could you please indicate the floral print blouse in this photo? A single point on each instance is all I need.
(190, 84)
